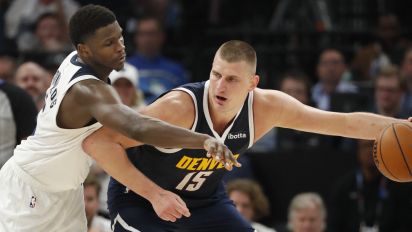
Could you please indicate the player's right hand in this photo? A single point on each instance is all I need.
(221, 153)
(169, 206)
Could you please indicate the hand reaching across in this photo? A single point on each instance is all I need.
(221, 153)
(169, 206)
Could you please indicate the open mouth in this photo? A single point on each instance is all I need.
(220, 99)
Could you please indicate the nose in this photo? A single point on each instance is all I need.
(120, 45)
(221, 85)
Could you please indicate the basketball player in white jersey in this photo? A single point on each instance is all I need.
(231, 85)
(41, 185)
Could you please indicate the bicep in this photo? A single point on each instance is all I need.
(298, 116)
(102, 103)
(287, 112)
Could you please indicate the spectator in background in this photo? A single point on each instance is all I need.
(126, 83)
(35, 80)
(389, 93)
(250, 201)
(22, 14)
(307, 213)
(7, 65)
(331, 70)
(389, 36)
(49, 36)
(157, 74)
(17, 118)
(406, 73)
(92, 189)
(364, 200)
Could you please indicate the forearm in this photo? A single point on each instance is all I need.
(112, 158)
(158, 133)
(367, 125)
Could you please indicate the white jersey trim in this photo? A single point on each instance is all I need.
(123, 224)
(251, 120)
(209, 119)
(173, 150)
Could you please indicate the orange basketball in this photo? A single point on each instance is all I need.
(393, 152)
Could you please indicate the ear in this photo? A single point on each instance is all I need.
(83, 50)
(254, 82)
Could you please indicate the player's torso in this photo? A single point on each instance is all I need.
(53, 155)
(196, 178)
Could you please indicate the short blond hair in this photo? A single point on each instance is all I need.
(237, 50)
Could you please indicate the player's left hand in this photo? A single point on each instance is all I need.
(221, 153)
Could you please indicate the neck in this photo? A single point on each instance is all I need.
(220, 120)
(101, 72)
(389, 112)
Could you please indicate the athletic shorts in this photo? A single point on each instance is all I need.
(219, 217)
(25, 206)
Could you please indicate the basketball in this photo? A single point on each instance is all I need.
(393, 152)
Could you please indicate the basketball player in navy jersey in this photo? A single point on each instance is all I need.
(41, 185)
(230, 107)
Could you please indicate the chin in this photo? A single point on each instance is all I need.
(119, 66)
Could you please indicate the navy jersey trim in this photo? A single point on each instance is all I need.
(209, 119)
(251, 120)
(84, 69)
(192, 95)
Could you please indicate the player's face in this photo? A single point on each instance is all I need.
(243, 204)
(230, 83)
(105, 48)
(307, 220)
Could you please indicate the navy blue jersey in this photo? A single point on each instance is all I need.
(186, 172)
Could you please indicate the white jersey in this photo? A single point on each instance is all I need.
(53, 156)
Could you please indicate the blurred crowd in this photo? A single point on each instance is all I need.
(355, 56)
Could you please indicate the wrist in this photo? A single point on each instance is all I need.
(151, 192)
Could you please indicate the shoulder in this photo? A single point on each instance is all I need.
(175, 107)
(267, 97)
(91, 90)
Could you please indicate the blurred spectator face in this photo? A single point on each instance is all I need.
(149, 38)
(407, 65)
(331, 67)
(126, 90)
(32, 78)
(7, 65)
(388, 94)
(48, 29)
(91, 201)
(308, 219)
(243, 204)
(388, 27)
(296, 89)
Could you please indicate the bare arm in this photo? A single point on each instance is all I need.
(101, 102)
(285, 111)
(112, 157)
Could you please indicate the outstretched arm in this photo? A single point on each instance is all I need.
(99, 100)
(285, 111)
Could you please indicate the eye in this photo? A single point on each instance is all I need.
(108, 43)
